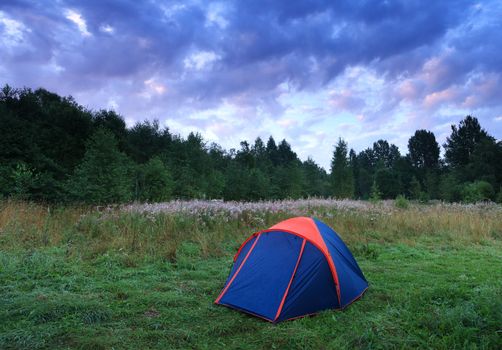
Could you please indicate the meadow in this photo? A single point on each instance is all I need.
(145, 276)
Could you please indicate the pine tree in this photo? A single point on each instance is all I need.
(104, 174)
(342, 177)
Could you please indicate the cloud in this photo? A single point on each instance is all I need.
(76, 18)
(357, 69)
(12, 30)
(200, 60)
(346, 100)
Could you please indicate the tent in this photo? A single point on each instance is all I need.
(297, 267)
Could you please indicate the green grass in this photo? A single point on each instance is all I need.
(426, 290)
(419, 297)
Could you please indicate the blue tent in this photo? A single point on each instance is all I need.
(295, 268)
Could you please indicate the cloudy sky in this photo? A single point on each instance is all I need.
(307, 71)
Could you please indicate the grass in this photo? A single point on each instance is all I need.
(77, 278)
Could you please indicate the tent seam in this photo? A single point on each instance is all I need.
(326, 254)
(279, 310)
(237, 272)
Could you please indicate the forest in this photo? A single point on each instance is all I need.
(54, 150)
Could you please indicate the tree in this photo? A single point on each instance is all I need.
(485, 162)
(259, 185)
(24, 180)
(284, 153)
(415, 189)
(219, 157)
(236, 182)
(272, 151)
(405, 173)
(45, 132)
(216, 184)
(364, 183)
(375, 194)
(385, 154)
(7, 93)
(186, 182)
(499, 196)
(104, 174)
(288, 181)
(262, 161)
(472, 154)
(146, 140)
(342, 177)
(366, 163)
(111, 121)
(460, 145)
(477, 191)
(423, 150)
(156, 184)
(315, 179)
(245, 156)
(367, 159)
(355, 172)
(6, 181)
(432, 184)
(47, 154)
(450, 188)
(387, 182)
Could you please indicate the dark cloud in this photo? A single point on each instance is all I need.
(195, 55)
(308, 43)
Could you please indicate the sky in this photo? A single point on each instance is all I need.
(307, 71)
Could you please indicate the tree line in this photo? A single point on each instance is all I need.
(52, 149)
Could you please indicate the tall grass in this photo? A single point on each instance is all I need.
(150, 231)
(145, 276)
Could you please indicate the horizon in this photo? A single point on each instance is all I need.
(309, 74)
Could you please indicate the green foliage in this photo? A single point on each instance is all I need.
(216, 184)
(146, 140)
(24, 179)
(289, 181)
(401, 202)
(375, 195)
(316, 179)
(485, 162)
(388, 183)
(415, 188)
(342, 176)
(460, 145)
(236, 182)
(155, 182)
(364, 183)
(259, 185)
(432, 184)
(104, 176)
(6, 183)
(423, 150)
(477, 191)
(385, 154)
(424, 197)
(499, 196)
(114, 124)
(43, 141)
(450, 188)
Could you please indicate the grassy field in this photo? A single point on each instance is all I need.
(144, 276)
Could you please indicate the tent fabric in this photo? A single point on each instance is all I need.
(312, 278)
(298, 267)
